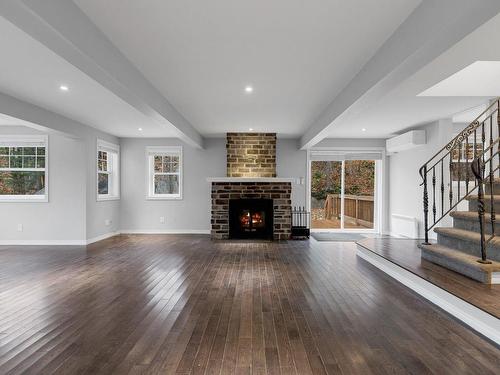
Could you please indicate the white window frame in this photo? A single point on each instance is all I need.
(151, 152)
(27, 141)
(113, 170)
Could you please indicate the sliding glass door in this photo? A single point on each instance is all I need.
(343, 191)
(359, 194)
(326, 187)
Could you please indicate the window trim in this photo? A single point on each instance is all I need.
(114, 148)
(27, 139)
(150, 152)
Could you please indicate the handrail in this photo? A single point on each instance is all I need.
(473, 125)
(447, 177)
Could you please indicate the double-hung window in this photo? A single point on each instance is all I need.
(164, 172)
(108, 171)
(24, 168)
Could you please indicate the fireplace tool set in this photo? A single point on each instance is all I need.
(300, 223)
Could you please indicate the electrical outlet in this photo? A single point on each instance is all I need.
(107, 222)
(162, 219)
(19, 227)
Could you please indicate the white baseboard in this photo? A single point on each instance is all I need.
(42, 242)
(165, 231)
(101, 237)
(479, 320)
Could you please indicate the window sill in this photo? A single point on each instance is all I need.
(21, 199)
(104, 198)
(163, 198)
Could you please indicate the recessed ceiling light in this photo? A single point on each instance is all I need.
(363, 130)
(249, 89)
(63, 88)
(140, 129)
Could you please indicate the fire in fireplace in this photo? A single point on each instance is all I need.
(251, 218)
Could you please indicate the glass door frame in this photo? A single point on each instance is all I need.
(378, 199)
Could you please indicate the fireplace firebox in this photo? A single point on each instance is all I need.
(251, 218)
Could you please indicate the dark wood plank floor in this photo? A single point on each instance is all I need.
(186, 305)
(405, 253)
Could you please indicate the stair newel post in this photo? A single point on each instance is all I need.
(483, 141)
(442, 188)
(434, 194)
(478, 169)
(458, 168)
(423, 173)
(467, 165)
(474, 152)
(498, 134)
(450, 193)
(491, 182)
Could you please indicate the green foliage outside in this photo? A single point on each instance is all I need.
(22, 183)
(327, 178)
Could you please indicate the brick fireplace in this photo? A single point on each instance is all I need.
(251, 184)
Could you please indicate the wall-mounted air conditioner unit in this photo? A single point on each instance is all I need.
(405, 141)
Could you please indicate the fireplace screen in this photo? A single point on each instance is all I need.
(251, 218)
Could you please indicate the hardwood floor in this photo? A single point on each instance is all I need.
(186, 305)
(405, 253)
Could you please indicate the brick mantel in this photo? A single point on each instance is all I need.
(250, 179)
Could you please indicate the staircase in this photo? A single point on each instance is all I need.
(466, 170)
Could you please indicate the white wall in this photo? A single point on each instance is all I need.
(62, 218)
(192, 213)
(292, 162)
(56, 124)
(405, 190)
(72, 183)
(97, 212)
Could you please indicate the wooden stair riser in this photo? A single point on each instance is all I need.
(467, 246)
(473, 225)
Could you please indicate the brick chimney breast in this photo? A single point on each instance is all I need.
(251, 154)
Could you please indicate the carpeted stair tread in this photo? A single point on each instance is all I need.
(469, 215)
(461, 257)
(463, 263)
(465, 235)
(473, 197)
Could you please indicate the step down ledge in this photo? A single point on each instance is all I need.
(479, 320)
(462, 263)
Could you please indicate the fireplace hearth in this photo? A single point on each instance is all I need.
(251, 218)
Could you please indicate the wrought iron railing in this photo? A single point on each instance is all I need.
(447, 177)
(485, 167)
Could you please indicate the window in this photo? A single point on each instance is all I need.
(108, 171)
(164, 172)
(23, 168)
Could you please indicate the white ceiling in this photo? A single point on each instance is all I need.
(201, 54)
(481, 78)
(297, 55)
(31, 72)
(445, 94)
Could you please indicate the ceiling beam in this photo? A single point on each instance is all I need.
(65, 29)
(42, 119)
(432, 28)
